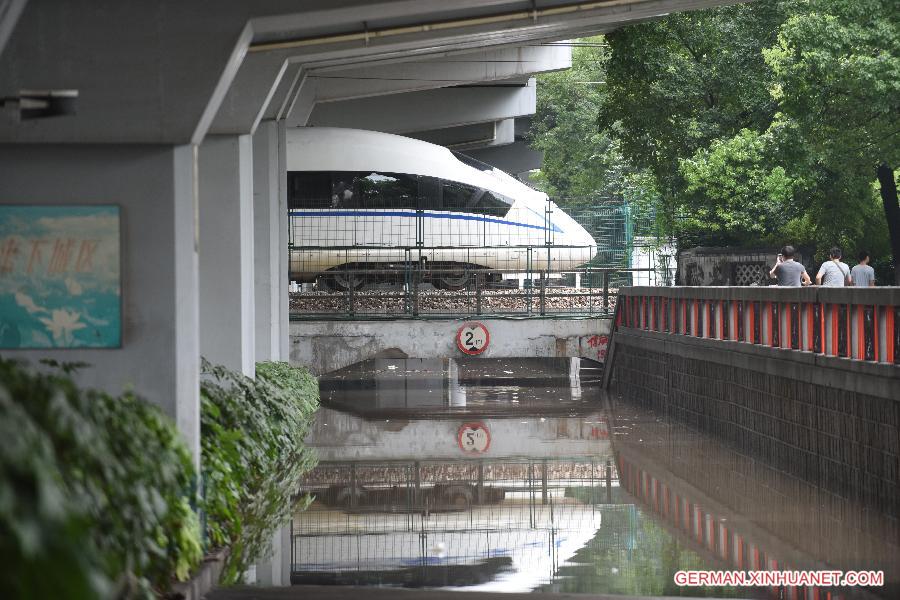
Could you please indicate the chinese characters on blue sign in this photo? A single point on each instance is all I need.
(59, 277)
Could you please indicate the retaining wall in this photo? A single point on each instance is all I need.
(831, 421)
(325, 346)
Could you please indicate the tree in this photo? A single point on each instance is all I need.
(581, 163)
(837, 77)
(680, 83)
(733, 187)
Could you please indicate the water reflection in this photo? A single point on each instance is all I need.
(508, 476)
(430, 388)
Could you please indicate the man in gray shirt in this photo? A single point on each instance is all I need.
(862, 274)
(789, 272)
(834, 273)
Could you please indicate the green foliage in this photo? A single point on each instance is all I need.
(836, 77)
(677, 84)
(579, 160)
(252, 433)
(836, 71)
(733, 188)
(94, 497)
(95, 490)
(755, 123)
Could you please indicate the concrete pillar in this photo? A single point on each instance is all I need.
(275, 570)
(227, 326)
(285, 256)
(270, 258)
(154, 187)
(270, 223)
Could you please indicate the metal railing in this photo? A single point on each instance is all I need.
(856, 323)
(525, 287)
(369, 267)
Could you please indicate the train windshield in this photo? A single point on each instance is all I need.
(356, 190)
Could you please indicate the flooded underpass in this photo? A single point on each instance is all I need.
(524, 476)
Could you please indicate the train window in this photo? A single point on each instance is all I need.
(494, 204)
(388, 190)
(345, 190)
(309, 190)
(430, 193)
(373, 190)
(457, 196)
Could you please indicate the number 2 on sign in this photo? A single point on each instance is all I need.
(473, 338)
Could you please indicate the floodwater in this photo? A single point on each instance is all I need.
(523, 475)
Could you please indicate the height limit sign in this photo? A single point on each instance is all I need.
(472, 338)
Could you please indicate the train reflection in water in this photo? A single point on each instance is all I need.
(439, 497)
(401, 499)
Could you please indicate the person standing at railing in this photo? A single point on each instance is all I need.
(834, 273)
(789, 272)
(862, 274)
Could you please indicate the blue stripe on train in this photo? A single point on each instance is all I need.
(429, 214)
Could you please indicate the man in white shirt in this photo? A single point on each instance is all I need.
(862, 274)
(834, 273)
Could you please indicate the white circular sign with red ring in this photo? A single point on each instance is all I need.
(473, 438)
(473, 338)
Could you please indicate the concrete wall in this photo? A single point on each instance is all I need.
(325, 346)
(270, 225)
(338, 436)
(727, 266)
(807, 416)
(746, 504)
(154, 187)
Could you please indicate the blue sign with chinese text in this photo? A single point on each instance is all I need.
(60, 277)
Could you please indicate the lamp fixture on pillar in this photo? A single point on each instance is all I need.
(38, 104)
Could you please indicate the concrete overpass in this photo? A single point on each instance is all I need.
(176, 113)
(180, 118)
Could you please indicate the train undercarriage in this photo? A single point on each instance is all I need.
(443, 276)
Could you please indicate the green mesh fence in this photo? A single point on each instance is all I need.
(620, 231)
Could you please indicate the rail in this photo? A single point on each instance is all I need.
(403, 283)
(855, 323)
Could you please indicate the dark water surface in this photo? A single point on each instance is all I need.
(505, 475)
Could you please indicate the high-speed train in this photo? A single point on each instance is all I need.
(375, 202)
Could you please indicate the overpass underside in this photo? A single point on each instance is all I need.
(174, 116)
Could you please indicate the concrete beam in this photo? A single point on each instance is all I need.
(467, 137)
(514, 158)
(443, 71)
(227, 324)
(165, 83)
(10, 11)
(433, 109)
(260, 77)
(325, 346)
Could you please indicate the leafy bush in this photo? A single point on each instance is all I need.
(252, 433)
(93, 492)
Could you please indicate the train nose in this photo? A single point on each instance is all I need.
(582, 237)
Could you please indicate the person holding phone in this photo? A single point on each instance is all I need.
(789, 272)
